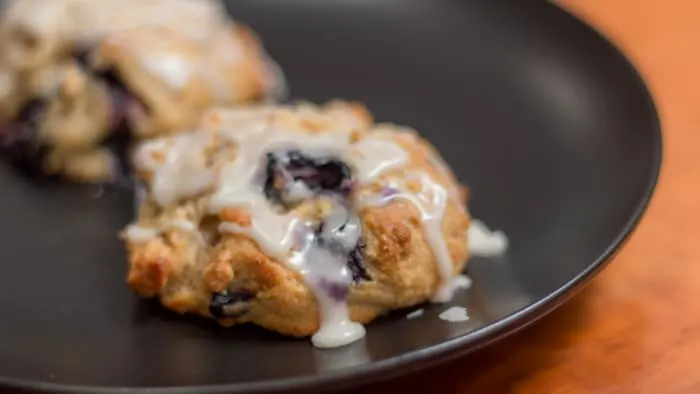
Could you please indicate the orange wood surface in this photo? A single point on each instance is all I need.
(636, 327)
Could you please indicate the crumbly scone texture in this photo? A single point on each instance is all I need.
(183, 268)
(175, 58)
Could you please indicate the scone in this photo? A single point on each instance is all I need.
(305, 220)
(80, 79)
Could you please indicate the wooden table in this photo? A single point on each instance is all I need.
(636, 327)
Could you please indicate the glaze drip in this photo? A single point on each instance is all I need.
(321, 258)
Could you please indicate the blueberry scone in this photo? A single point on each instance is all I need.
(80, 79)
(306, 220)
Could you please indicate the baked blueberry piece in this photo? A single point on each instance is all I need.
(84, 79)
(306, 220)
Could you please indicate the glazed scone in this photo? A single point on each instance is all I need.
(81, 78)
(305, 220)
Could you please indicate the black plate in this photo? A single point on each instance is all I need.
(543, 118)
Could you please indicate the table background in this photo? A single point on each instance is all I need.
(636, 327)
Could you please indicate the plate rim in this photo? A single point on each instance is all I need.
(448, 350)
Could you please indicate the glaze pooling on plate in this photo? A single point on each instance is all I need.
(274, 169)
(455, 314)
(484, 242)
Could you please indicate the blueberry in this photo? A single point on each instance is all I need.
(119, 94)
(119, 138)
(355, 263)
(319, 175)
(19, 139)
(111, 77)
(229, 304)
(82, 57)
(273, 179)
(119, 144)
(32, 113)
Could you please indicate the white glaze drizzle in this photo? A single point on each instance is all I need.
(184, 161)
(378, 156)
(275, 240)
(282, 235)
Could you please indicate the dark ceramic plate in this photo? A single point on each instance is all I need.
(545, 120)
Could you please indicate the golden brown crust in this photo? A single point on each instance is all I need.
(398, 257)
